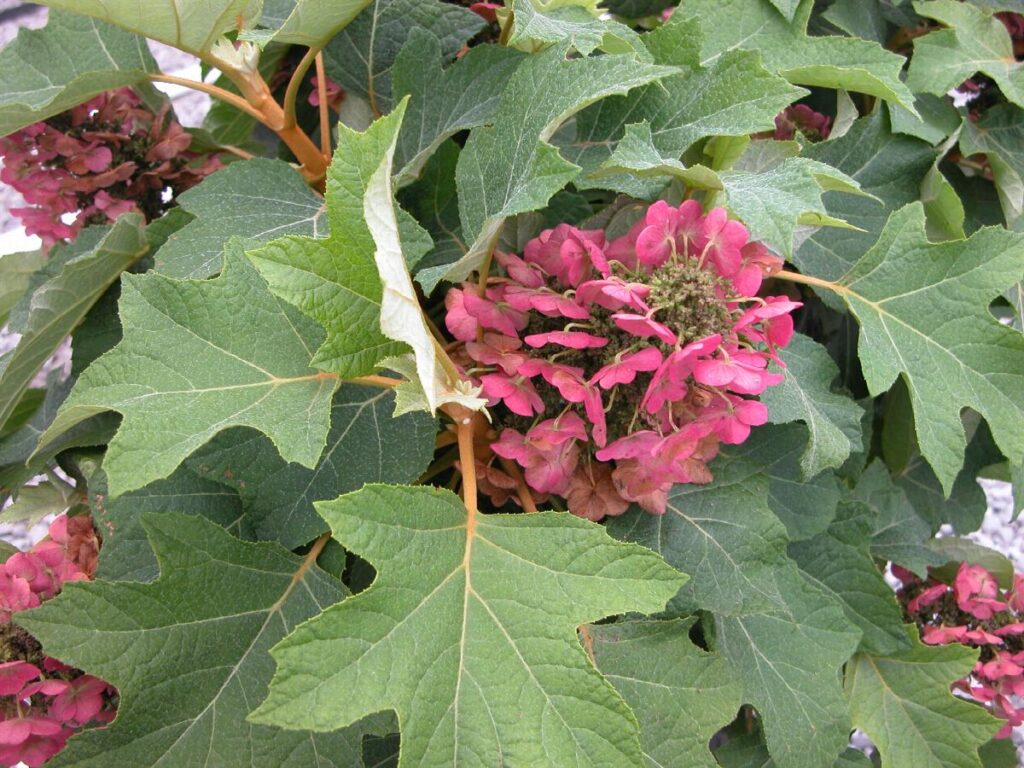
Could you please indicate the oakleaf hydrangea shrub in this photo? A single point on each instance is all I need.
(525, 383)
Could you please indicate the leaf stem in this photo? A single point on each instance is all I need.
(291, 93)
(226, 96)
(588, 642)
(384, 382)
(522, 489)
(464, 424)
(817, 282)
(325, 123)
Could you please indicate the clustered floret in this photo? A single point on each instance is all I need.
(97, 161)
(42, 700)
(974, 611)
(643, 353)
(801, 118)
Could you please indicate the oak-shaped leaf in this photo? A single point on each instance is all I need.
(365, 445)
(49, 311)
(199, 356)
(509, 166)
(827, 61)
(258, 200)
(806, 395)
(903, 703)
(334, 279)
(681, 695)
(469, 634)
(188, 652)
(191, 25)
(44, 72)
(783, 637)
(923, 314)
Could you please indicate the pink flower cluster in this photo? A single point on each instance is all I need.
(103, 158)
(621, 366)
(42, 700)
(800, 117)
(976, 612)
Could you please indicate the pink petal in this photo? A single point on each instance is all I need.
(571, 339)
(642, 326)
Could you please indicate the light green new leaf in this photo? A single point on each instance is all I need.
(35, 502)
(976, 41)
(784, 638)
(509, 167)
(360, 59)
(334, 279)
(828, 62)
(534, 29)
(840, 562)
(734, 96)
(188, 653)
(60, 303)
(923, 314)
(891, 168)
(443, 102)
(469, 634)
(257, 200)
(365, 445)
(16, 270)
(198, 357)
(806, 395)
(680, 694)
(903, 703)
(314, 22)
(191, 25)
(44, 72)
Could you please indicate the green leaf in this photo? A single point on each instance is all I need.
(45, 72)
(443, 102)
(365, 445)
(806, 395)
(35, 502)
(898, 289)
(681, 695)
(60, 303)
(748, 750)
(955, 550)
(16, 269)
(975, 42)
(188, 659)
(126, 554)
(733, 96)
(361, 57)
(334, 279)
(469, 633)
(999, 135)
(899, 535)
(783, 637)
(198, 357)
(509, 167)
(534, 29)
(938, 118)
(257, 200)
(18, 446)
(903, 703)
(191, 25)
(840, 562)
(314, 22)
(785, 47)
(891, 168)
(942, 206)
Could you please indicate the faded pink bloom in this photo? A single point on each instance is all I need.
(927, 597)
(975, 590)
(654, 342)
(14, 675)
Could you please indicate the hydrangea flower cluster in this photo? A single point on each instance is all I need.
(621, 366)
(42, 700)
(975, 612)
(103, 158)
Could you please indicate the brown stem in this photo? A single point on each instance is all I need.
(522, 489)
(325, 123)
(291, 92)
(817, 282)
(197, 85)
(384, 382)
(467, 460)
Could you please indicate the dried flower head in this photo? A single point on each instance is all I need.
(617, 368)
